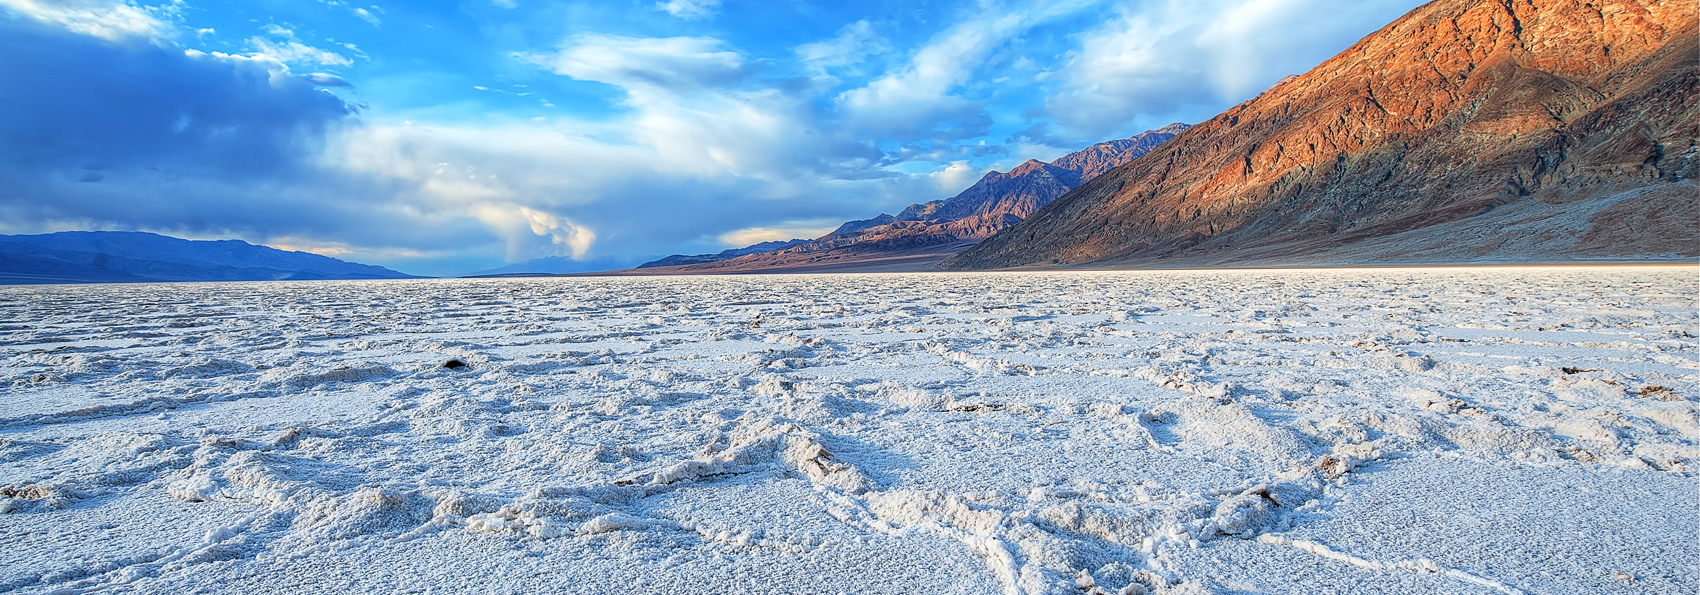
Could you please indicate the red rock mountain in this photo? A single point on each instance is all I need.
(1468, 130)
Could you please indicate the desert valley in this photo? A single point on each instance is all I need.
(1423, 319)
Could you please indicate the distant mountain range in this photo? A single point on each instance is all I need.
(1466, 131)
(120, 256)
(924, 233)
(988, 205)
(688, 259)
(552, 265)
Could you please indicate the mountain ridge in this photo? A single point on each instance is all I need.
(689, 259)
(120, 256)
(995, 201)
(1456, 110)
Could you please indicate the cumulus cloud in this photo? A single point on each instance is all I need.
(257, 153)
(623, 190)
(1157, 60)
(81, 102)
(689, 9)
(709, 146)
(99, 18)
(922, 97)
(532, 234)
(561, 231)
(697, 104)
(130, 134)
(919, 92)
(954, 178)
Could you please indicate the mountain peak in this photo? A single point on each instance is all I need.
(1027, 167)
(1564, 126)
(1179, 127)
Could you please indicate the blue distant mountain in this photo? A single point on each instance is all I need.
(553, 265)
(684, 259)
(129, 256)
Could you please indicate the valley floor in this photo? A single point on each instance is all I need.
(1513, 430)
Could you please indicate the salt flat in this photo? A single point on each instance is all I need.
(1520, 430)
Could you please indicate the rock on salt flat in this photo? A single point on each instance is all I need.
(1519, 430)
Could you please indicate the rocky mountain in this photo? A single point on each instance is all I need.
(1103, 157)
(118, 256)
(688, 259)
(942, 227)
(1465, 131)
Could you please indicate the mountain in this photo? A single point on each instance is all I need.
(685, 259)
(851, 227)
(552, 265)
(925, 233)
(1103, 157)
(1465, 131)
(123, 256)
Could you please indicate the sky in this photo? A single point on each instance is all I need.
(448, 137)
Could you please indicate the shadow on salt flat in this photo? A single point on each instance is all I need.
(101, 534)
(767, 506)
(1533, 528)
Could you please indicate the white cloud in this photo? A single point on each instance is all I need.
(694, 103)
(325, 80)
(357, 53)
(1157, 58)
(507, 177)
(704, 149)
(920, 91)
(292, 51)
(366, 15)
(289, 50)
(705, 152)
(650, 63)
(733, 158)
(341, 250)
(751, 236)
(531, 233)
(623, 187)
(953, 179)
(853, 44)
(563, 231)
(99, 18)
(689, 9)
(921, 94)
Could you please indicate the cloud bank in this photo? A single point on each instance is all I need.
(110, 119)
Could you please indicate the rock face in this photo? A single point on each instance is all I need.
(1467, 130)
(997, 201)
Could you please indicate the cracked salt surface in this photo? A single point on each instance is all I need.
(1526, 430)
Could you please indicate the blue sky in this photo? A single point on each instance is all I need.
(447, 137)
